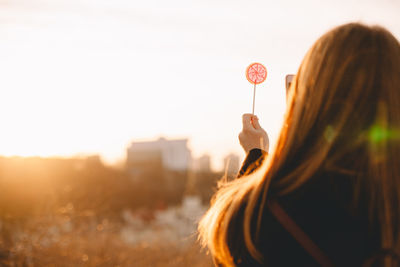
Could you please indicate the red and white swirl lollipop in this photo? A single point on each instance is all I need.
(256, 73)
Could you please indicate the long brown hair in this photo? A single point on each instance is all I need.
(343, 116)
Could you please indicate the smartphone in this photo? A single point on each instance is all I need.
(288, 80)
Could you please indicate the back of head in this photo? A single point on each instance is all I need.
(347, 91)
(343, 117)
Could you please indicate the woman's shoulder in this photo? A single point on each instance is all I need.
(323, 208)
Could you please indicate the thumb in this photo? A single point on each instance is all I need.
(256, 124)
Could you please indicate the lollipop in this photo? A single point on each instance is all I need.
(256, 73)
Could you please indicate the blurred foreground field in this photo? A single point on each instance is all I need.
(101, 249)
(78, 212)
(93, 248)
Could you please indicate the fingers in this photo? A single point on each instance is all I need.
(256, 124)
(250, 122)
(246, 119)
(253, 135)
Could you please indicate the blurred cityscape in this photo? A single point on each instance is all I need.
(80, 212)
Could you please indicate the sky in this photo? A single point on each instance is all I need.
(91, 76)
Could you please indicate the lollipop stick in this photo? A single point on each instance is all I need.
(254, 97)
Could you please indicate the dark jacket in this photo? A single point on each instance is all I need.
(320, 208)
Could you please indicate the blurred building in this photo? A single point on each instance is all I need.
(161, 165)
(202, 164)
(169, 154)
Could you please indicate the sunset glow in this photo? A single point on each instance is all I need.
(89, 77)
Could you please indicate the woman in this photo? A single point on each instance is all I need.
(328, 194)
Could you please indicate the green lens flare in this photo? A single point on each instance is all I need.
(379, 134)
